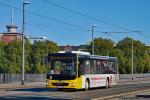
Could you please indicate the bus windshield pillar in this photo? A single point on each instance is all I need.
(77, 65)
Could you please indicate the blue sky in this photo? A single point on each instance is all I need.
(131, 14)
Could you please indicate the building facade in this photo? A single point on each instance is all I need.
(10, 35)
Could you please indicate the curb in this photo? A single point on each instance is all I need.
(16, 85)
(135, 80)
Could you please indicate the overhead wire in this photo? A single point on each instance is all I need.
(69, 24)
(42, 16)
(50, 26)
(109, 33)
(93, 18)
(48, 18)
(85, 15)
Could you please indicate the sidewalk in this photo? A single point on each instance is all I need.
(134, 80)
(18, 85)
(43, 84)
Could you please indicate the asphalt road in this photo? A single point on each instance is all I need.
(42, 93)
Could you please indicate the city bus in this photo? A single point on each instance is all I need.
(80, 70)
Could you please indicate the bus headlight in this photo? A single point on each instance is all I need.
(73, 84)
(46, 83)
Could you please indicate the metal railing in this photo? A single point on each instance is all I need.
(128, 76)
(13, 78)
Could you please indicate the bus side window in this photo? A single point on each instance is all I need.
(81, 67)
(98, 67)
(105, 66)
(92, 66)
(114, 66)
(87, 67)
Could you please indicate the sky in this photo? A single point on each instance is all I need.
(69, 28)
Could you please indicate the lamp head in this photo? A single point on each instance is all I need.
(94, 25)
(26, 3)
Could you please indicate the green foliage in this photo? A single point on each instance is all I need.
(36, 55)
(40, 50)
(13, 57)
(2, 58)
(102, 46)
(139, 54)
(123, 52)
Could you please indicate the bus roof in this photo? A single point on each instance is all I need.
(99, 57)
(82, 54)
(102, 57)
(75, 52)
(113, 58)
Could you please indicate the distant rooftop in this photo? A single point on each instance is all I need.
(11, 28)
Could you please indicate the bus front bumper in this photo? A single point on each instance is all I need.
(66, 84)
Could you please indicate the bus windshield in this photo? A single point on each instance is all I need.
(63, 68)
(62, 64)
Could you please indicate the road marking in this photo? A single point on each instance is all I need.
(123, 94)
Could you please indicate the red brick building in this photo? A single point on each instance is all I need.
(10, 35)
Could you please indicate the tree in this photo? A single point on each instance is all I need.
(139, 54)
(147, 60)
(3, 62)
(27, 56)
(121, 60)
(13, 57)
(102, 46)
(40, 50)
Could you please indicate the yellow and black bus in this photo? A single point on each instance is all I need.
(80, 70)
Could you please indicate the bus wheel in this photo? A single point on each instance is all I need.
(107, 83)
(87, 85)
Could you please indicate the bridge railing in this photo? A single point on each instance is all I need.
(13, 78)
(128, 76)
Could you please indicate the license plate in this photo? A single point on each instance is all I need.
(59, 86)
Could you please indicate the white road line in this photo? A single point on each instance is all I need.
(123, 94)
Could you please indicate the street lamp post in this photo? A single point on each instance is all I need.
(132, 61)
(23, 42)
(93, 39)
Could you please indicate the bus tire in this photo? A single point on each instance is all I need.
(107, 83)
(87, 85)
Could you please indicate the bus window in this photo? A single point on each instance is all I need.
(57, 67)
(63, 68)
(98, 67)
(49, 67)
(87, 67)
(81, 67)
(105, 66)
(114, 67)
(92, 66)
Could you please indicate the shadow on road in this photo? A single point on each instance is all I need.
(35, 90)
(44, 89)
(143, 96)
(30, 98)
